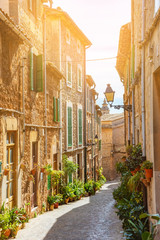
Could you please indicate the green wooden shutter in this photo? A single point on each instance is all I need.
(31, 70)
(58, 111)
(80, 125)
(69, 127)
(99, 144)
(54, 109)
(70, 177)
(80, 78)
(49, 182)
(39, 73)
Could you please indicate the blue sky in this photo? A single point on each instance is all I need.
(101, 20)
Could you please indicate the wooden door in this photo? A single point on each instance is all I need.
(34, 184)
(10, 163)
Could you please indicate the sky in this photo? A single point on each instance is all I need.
(100, 21)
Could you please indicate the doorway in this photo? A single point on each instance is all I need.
(10, 163)
(35, 182)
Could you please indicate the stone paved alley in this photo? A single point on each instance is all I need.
(92, 218)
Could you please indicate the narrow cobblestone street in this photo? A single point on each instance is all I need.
(92, 218)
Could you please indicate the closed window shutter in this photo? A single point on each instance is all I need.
(69, 127)
(58, 111)
(49, 182)
(80, 126)
(54, 109)
(39, 73)
(31, 71)
(70, 177)
(99, 144)
(69, 72)
(80, 78)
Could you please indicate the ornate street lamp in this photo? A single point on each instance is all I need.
(109, 94)
(96, 138)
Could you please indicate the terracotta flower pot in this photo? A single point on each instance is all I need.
(7, 232)
(23, 225)
(56, 205)
(51, 207)
(148, 173)
(42, 170)
(66, 200)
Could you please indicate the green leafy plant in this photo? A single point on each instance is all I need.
(150, 235)
(69, 166)
(147, 165)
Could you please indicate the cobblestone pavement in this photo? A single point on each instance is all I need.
(92, 218)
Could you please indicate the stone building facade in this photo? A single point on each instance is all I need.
(144, 87)
(29, 121)
(93, 130)
(43, 102)
(113, 146)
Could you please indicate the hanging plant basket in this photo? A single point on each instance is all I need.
(6, 171)
(33, 171)
(42, 169)
(23, 166)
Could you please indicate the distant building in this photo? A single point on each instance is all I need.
(113, 148)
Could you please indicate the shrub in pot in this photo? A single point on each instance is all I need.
(147, 166)
(51, 201)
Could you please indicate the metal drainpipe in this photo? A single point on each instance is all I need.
(60, 98)
(23, 102)
(143, 81)
(85, 113)
(45, 90)
(133, 90)
(129, 117)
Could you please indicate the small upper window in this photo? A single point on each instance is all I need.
(78, 46)
(79, 78)
(68, 37)
(69, 72)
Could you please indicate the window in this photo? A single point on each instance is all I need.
(56, 110)
(32, 6)
(79, 126)
(69, 124)
(36, 72)
(156, 5)
(79, 78)
(78, 46)
(68, 36)
(69, 72)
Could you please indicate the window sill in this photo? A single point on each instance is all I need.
(69, 84)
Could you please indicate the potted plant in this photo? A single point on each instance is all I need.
(51, 200)
(48, 169)
(6, 170)
(14, 228)
(147, 167)
(33, 171)
(31, 177)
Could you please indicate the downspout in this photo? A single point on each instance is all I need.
(85, 125)
(60, 98)
(133, 69)
(23, 103)
(45, 90)
(129, 117)
(85, 119)
(143, 81)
